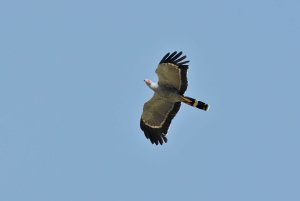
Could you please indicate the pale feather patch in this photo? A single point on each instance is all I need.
(179, 72)
(195, 103)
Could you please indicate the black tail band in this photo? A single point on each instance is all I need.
(195, 103)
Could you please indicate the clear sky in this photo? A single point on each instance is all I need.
(72, 92)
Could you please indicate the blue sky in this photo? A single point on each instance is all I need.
(72, 92)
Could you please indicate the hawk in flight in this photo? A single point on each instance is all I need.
(159, 111)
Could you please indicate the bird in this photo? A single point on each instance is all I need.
(160, 110)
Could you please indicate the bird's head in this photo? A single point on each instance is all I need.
(148, 82)
(151, 84)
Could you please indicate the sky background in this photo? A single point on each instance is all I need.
(72, 93)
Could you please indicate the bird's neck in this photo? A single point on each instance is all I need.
(154, 86)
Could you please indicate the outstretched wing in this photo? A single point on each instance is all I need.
(156, 118)
(172, 72)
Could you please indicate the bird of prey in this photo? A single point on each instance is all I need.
(159, 111)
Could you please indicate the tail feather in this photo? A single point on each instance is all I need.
(195, 103)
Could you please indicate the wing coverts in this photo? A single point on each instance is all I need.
(172, 71)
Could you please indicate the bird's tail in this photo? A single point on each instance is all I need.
(195, 103)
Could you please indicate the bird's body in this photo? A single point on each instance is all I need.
(167, 93)
(159, 111)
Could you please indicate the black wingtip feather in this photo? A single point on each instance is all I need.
(164, 58)
(154, 135)
(172, 60)
(172, 55)
(176, 59)
(180, 59)
(165, 138)
(160, 140)
(184, 62)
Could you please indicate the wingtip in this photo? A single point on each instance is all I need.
(165, 138)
